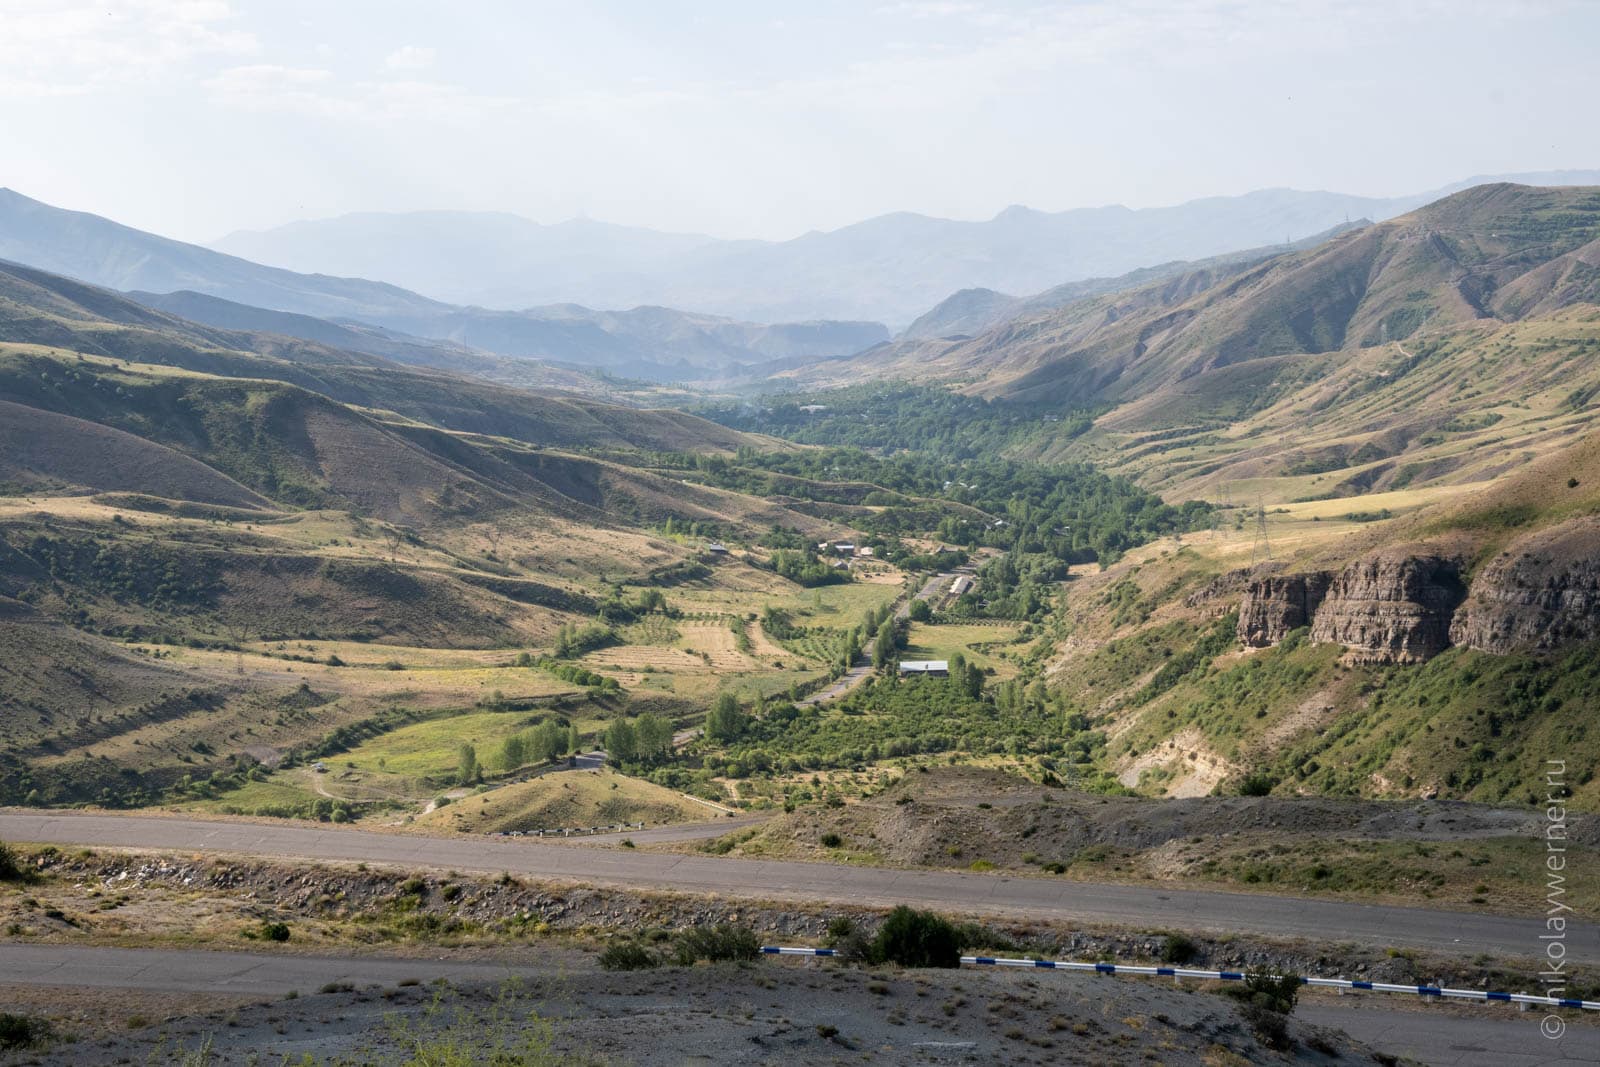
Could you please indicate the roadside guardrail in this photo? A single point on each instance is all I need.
(1177, 974)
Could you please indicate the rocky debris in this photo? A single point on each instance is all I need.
(1391, 606)
(1273, 605)
(1542, 592)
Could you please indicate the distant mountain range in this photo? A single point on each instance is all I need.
(649, 342)
(891, 268)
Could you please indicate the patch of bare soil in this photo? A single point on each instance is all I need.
(1316, 710)
(922, 816)
(1196, 769)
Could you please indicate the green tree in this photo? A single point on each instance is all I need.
(513, 752)
(883, 647)
(726, 721)
(622, 741)
(967, 677)
(654, 735)
(466, 764)
(549, 741)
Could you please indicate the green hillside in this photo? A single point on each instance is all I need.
(1395, 591)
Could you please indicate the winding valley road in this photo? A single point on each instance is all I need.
(1040, 898)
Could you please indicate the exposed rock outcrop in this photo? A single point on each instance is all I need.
(1219, 595)
(1275, 604)
(1391, 606)
(1539, 594)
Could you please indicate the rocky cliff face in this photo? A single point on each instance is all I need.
(1542, 592)
(1275, 604)
(1391, 607)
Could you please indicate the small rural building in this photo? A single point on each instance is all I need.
(866, 552)
(960, 585)
(717, 548)
(845, 548)
(920, 668)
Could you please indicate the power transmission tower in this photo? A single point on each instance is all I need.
(1216, 512)
(1261, 551)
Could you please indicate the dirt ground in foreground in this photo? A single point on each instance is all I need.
(811, 1011)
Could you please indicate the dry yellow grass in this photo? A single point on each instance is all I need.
(567, 799)
(716, 645)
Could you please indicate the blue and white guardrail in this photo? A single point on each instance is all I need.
(1177, 973)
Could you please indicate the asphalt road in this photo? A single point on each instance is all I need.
(1040, 898)
(862, 670)
(1447, 1037)
(234, 973)
(1444, 1037)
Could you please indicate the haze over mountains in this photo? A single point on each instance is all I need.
(648, 342)
(895, 267)
(889, 269)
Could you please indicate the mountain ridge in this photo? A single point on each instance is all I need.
(891, 267)
(643, 341)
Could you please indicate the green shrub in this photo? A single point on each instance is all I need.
(275, 931)
(1178, 949)
(847, 939)
(716, 943)
(1268, 999)
(21, 1031)
(11, 869)
(916, 939)
(832, 841)
(1256, 785)
(623, 955)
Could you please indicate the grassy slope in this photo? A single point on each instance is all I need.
(1435, 348)
(1467, 724)
(178, 485)
(567, 799)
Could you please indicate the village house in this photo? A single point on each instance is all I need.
(924, 668)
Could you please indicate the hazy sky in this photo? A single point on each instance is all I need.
(744, 118)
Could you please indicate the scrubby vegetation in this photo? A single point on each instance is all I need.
(912, 938)
(23, 1031)
(11, 869)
